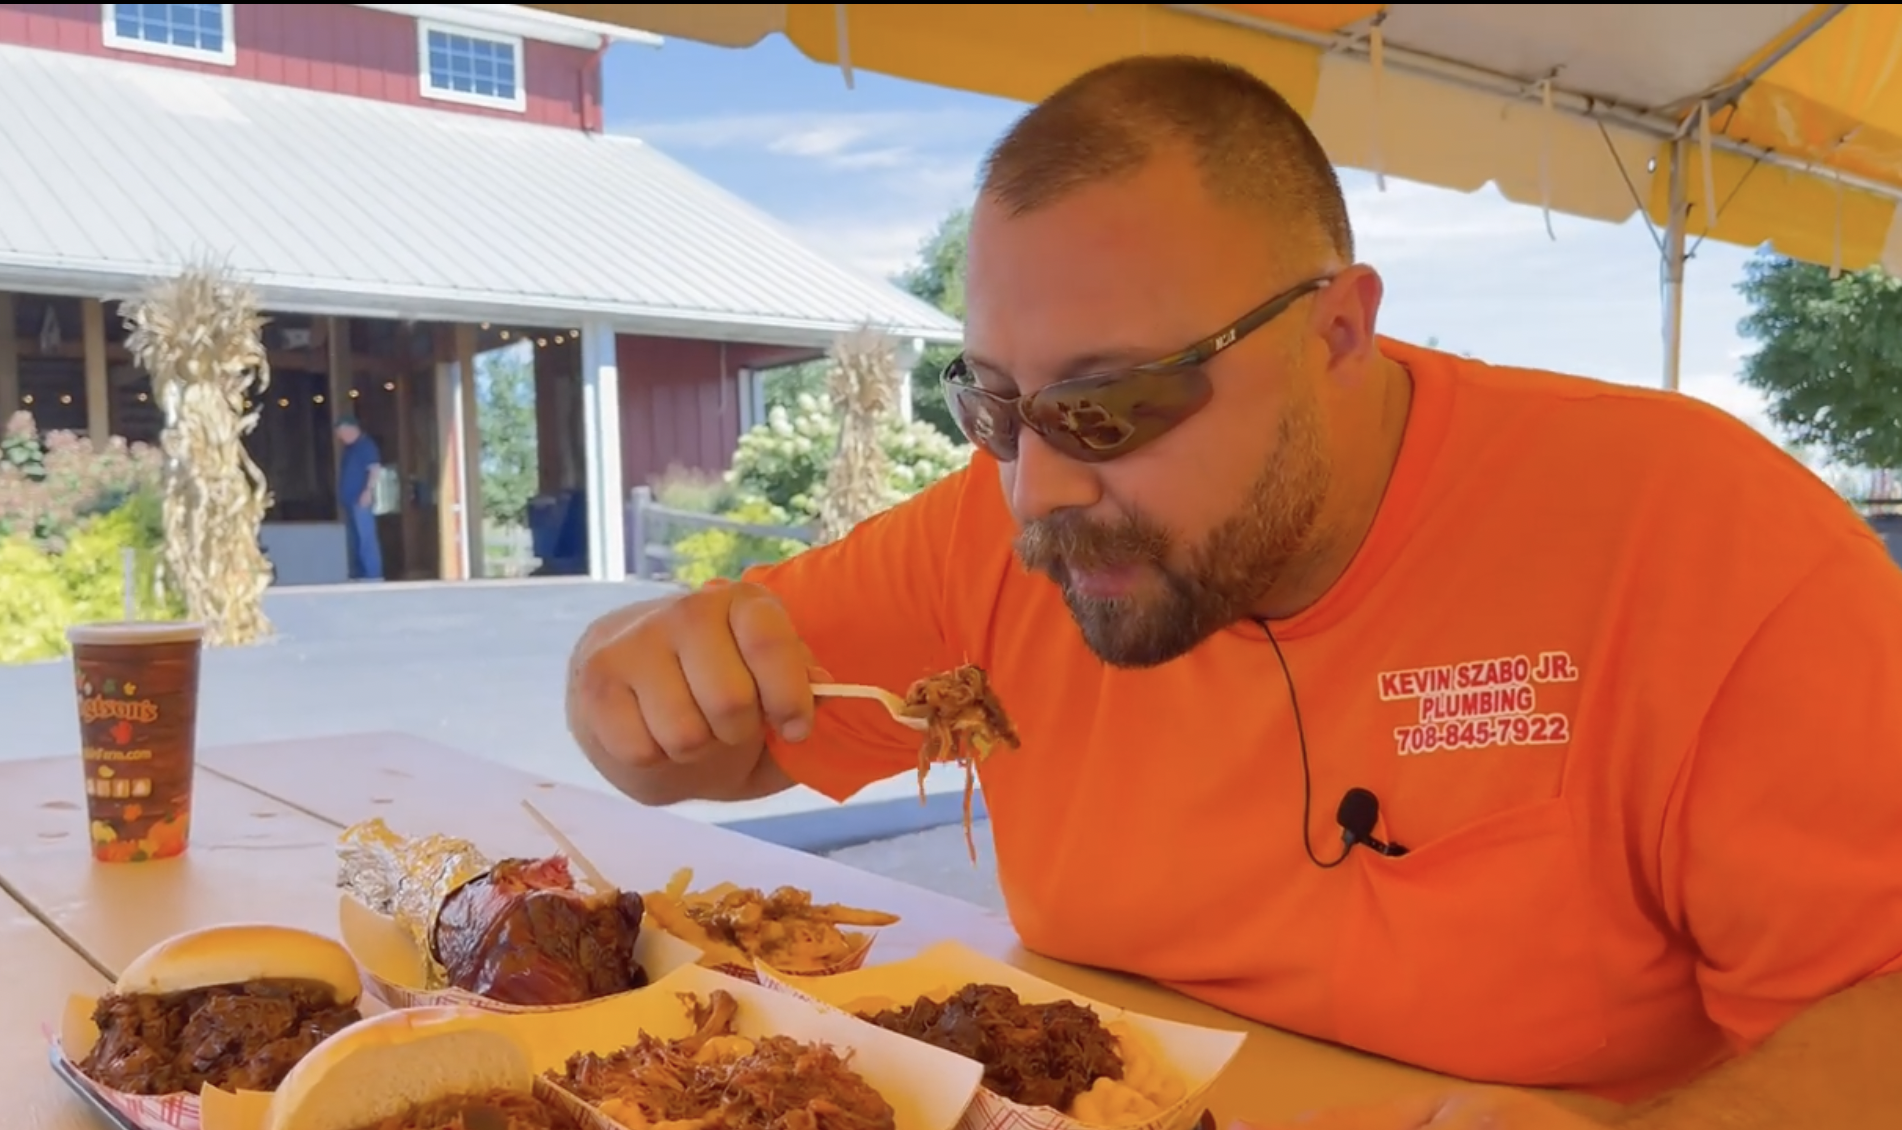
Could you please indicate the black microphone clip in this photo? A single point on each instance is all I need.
(1358, 815)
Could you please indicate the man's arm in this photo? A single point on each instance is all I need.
(872, 608)
(1783, 863)
(1831, 1068)
(869, 608)
(369, 473)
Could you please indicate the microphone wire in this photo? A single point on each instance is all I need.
(1307, 771)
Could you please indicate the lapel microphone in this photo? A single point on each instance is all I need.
(1358, 815)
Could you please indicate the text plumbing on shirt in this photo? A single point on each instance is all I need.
(1480, 704)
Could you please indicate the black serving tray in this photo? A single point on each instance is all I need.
(110, 1115)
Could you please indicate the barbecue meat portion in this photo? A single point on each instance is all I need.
(522, 934)
(727, 1082)
(1033, 1054)
(960, 710)
(494, 1110)
(236, 1037)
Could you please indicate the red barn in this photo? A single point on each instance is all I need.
(408, 186)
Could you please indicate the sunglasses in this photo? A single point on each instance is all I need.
(1094, 419)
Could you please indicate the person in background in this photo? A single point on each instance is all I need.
(356, 482)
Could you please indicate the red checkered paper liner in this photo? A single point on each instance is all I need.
(1193, 1055)
(392, 970)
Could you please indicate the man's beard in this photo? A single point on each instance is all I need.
(1237, 563)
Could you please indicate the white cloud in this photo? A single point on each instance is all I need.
(881, 249)
(868, 187)
(1412, 219)
(875, 139)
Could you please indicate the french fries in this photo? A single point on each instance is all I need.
(733, 925)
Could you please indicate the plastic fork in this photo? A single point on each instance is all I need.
(893, 705)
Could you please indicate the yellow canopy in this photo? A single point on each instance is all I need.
(1787, 116)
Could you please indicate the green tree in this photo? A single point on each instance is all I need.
(787, 383)
(1829, 357)
(505, 396)
(938, 278)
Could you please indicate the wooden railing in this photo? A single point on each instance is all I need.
(651, 526)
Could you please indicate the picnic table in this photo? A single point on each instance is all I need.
(265, 822)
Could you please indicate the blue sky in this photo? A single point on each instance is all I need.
(865, 174)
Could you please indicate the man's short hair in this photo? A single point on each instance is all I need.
(1251, 146)
(348, 422)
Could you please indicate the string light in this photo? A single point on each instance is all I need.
(505, 335)
(542, 341)
(318, 399)
(389, 386)
(142, 398)
(66, 398)
(558, 339)
(485, 325)
(354, 394)
(282, 402)
(27, 399)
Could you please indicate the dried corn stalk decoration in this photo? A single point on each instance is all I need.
(863, 385)
(199, 337)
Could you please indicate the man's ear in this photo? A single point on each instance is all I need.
(1345, 315)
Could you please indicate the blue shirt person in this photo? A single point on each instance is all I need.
(356, 479)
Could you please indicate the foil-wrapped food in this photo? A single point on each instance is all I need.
(517, 931)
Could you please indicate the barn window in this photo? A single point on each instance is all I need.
(200, 32)
(474, 68)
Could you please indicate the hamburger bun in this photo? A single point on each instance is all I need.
(233, 954)
(380, 1067)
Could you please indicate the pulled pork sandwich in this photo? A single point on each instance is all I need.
(432, 1068)
(233, 1007)
(518, 931)
(1033, 1054)
(964, 724)
(716, 1079)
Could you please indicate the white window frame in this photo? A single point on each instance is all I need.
(109, 26)
(517, 104)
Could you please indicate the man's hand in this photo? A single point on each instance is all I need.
(1462, 1108)
(673, 699)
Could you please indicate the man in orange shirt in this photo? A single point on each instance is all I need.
(1624, 680)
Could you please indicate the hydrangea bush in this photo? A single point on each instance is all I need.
(779, 470)
(783, 461)
(68, 513)
(51, 482)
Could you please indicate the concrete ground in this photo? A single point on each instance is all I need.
(479, 666)
(936, 859)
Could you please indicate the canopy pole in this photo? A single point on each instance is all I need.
(1673, 264)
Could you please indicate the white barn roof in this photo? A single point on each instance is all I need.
(116, 173)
